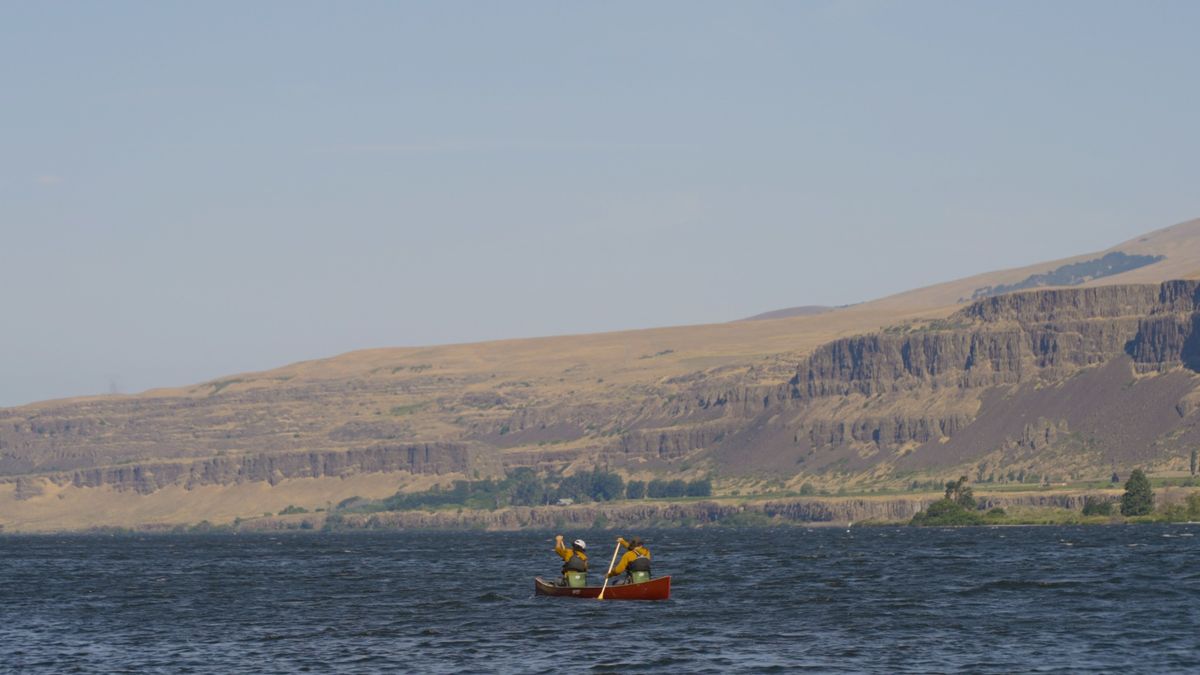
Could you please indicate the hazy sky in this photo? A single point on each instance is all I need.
(189, 190)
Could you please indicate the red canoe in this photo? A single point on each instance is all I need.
(655, 589)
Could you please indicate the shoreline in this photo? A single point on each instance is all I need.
(1057, 507)
(229, 530)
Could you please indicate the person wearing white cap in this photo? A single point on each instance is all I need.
(575, 564)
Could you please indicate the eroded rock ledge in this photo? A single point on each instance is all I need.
(421, 458)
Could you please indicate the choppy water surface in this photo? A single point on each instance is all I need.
(881, 600)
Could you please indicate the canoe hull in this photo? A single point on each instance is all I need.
(655, 589)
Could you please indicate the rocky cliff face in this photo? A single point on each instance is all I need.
(1007, 339)
(877, 399)
(144, 478)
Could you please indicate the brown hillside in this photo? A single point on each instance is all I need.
(910, 385)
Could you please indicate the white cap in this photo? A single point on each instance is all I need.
(580, 543)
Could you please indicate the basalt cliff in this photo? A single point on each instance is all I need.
(1046, 384)
(1063, 384)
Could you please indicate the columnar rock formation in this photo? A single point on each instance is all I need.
(900, 392)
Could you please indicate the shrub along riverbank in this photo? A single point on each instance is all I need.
(524, 487)
(496, 505)
(1041, 508)
(959, 507)
(1065, 508)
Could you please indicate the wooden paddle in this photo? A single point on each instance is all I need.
(610, 566)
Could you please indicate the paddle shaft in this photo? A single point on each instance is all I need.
(610, 566)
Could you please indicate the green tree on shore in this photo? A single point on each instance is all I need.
(1138, 499)
(960, 493)
(957, 507)
(669, 489)
(944, 512)
(700, 488)
(676, 488)
(635, 489)
(607, 486)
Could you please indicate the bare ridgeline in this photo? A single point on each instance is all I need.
(1063, 384)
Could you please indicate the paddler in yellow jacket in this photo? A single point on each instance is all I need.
(635, 564)
(575, 565)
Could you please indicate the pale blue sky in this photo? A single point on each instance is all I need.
(189, 190)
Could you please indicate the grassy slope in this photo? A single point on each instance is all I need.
(617, 356)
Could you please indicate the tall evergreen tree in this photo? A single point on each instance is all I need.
(1138, 499)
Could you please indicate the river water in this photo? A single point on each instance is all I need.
(883, 600)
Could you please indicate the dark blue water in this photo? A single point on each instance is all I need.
(888, 600)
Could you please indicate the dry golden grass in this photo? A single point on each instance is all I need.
(71, 508)
(628, 357)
